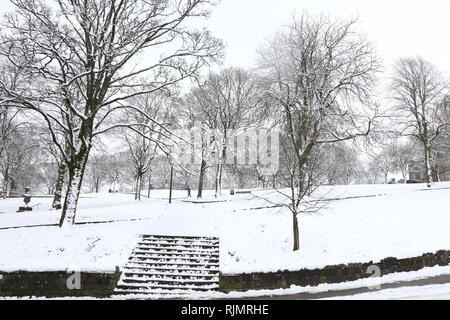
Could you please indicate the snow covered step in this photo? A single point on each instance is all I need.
(179, 240)
(182, 242)
(171, 265)
(176, 249)
(178, 275)
(176, 253)
(165, 280)
(168, 260)
(184, 238)
(137, 267)
(179, 246)
(155, 285)
(150, 264)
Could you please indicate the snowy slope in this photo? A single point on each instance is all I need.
(389, 220)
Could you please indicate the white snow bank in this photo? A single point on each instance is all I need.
(390, 220)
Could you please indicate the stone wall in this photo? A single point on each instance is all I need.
(58, 284)
(55, 284)
(331, 274)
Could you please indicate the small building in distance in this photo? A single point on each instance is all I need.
(444, 175)
(417, 172)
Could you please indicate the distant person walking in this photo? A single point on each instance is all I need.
(188, 188)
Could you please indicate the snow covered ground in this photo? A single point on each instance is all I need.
(431, 292)
(389, 220)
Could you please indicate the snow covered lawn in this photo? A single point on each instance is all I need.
(389, 220)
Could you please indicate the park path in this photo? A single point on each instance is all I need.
(437, 280)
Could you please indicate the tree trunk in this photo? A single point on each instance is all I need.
(97, 185)
(216, 182)
(9, 187)
(137, 195)
(171, 185)
(296, 232)
(428, 173)
(219, 182)
(222, 163)
(219, 172)
(59, 186)
(6, 184)
(149, 184)
(200, 179)
(76, 173)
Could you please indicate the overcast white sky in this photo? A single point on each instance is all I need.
(397, 27)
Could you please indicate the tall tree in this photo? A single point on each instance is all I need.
(79, 55)
(418, 90)
(114, 170)
(442, 143)
(225, 103)
(144, 139)
(96, 171)
(386, 160)
(9, 115)
(20, 155)
(340, 164)
(320, 74)
(403, 155)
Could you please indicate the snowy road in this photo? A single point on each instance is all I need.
(433, 288)
(430, 292)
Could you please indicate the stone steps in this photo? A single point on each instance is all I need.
(177, 250)
(141, 267)
(171, 266)
(174, 254)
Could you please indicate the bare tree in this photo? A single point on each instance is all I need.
(226, 102)
(403, 155)
(442, 144)
(79, 55)
(374, 171)
(418, 91)
(96, 171)
(143, 140)
(200, 112)
(48, 174)
(386, 161)
(19, 156)
(114, 170)
(320, 74)
(9, 125)
(340, 164)
(9, 115)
